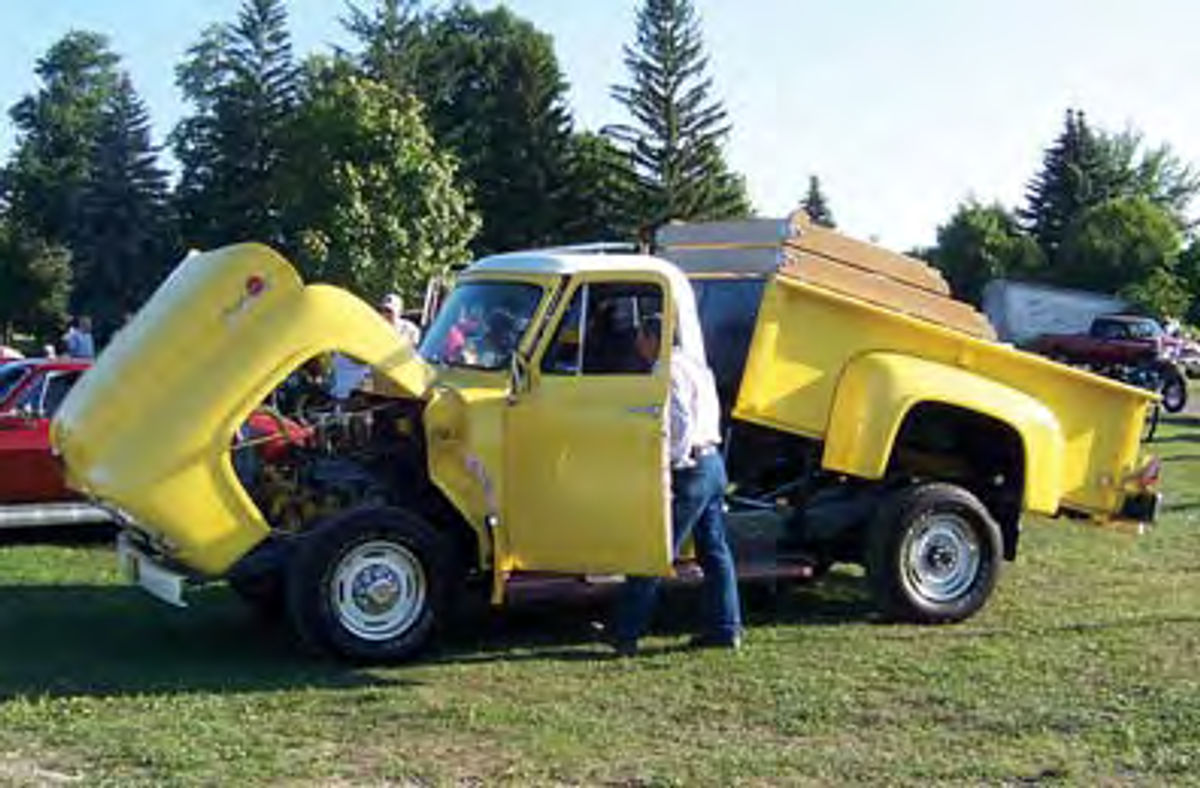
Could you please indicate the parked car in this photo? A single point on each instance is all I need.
(1130, 348)
(32, 489)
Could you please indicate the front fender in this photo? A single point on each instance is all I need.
(877, 390)
(148, 428)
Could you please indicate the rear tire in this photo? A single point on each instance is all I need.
(933, 554)
(1174, 391)
(371, 585)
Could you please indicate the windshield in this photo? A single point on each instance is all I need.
(10, 376)
(481, 324)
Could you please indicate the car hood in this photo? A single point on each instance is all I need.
(148, 428)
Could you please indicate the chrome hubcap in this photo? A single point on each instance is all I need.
(942, 557)
(378, 590)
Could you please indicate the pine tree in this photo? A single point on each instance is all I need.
(242, 80)
(816, 205)
(56, 131)
(675, 141)
(391, 34)
(123, 245)
(1074, 176)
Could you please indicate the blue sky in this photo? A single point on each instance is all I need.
(902, 108)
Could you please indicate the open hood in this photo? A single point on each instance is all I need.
(148, 428)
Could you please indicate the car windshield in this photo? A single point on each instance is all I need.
(10, 376)
(1144, 329)
(481, 324)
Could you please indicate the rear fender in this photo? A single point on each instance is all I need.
(878, 390)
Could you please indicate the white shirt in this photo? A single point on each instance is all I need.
(694, 409)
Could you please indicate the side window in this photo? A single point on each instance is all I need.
(598, 331)
(57, 387)
(31, 398)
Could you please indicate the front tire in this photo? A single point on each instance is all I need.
(371, 585)
(933, 554)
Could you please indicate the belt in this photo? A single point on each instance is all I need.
(693, 456)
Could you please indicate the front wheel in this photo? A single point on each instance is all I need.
(933, 554)
(370, 585)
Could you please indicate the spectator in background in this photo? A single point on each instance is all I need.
(78, 340)
(392, 309)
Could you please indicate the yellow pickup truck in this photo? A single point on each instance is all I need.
(869, 416)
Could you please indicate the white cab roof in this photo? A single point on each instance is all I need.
(564, 263)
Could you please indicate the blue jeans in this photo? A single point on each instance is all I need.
(697, 496)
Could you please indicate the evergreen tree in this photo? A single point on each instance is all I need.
(598, 201)
(123, 241)
(391, 34)
(1074, 176)
(56, 132)
(242, 80)
(816, 205)
(370, 202)
(676, 138)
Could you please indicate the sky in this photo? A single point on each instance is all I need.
(903, 109)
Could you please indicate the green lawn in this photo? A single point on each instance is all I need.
(1084, 669)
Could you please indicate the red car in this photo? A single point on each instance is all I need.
(32, 490)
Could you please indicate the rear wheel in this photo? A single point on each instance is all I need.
(371, 585)
(1174, 391)
(933, 554)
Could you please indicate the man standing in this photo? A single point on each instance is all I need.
(697, 501)
(78, 339)
(392, 308)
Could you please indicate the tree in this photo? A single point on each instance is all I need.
(370, 202)
(391, 34)
(676, 138)
(1155, 173)
(35, 280)
(1075, 175)
(1116, 244)
(56, 132)
(495, 96)
(598, 200)
(816, 205)
(242, 81)
(981, 243)
(122, 246)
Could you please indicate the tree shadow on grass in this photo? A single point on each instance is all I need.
(76, 640)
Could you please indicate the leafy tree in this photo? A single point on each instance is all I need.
(123, 240)
(1155, 173)
(242, 81)
(1162, 294)
(816, 205)
(676, 138)
(35, 280)
(981, 243)
(371, 203)
(1118, 243)
(56, 131)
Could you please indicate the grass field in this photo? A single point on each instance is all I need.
(1084, 669)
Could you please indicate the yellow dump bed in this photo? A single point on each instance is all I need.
(850, 337)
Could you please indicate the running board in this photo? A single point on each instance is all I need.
(35, 515)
